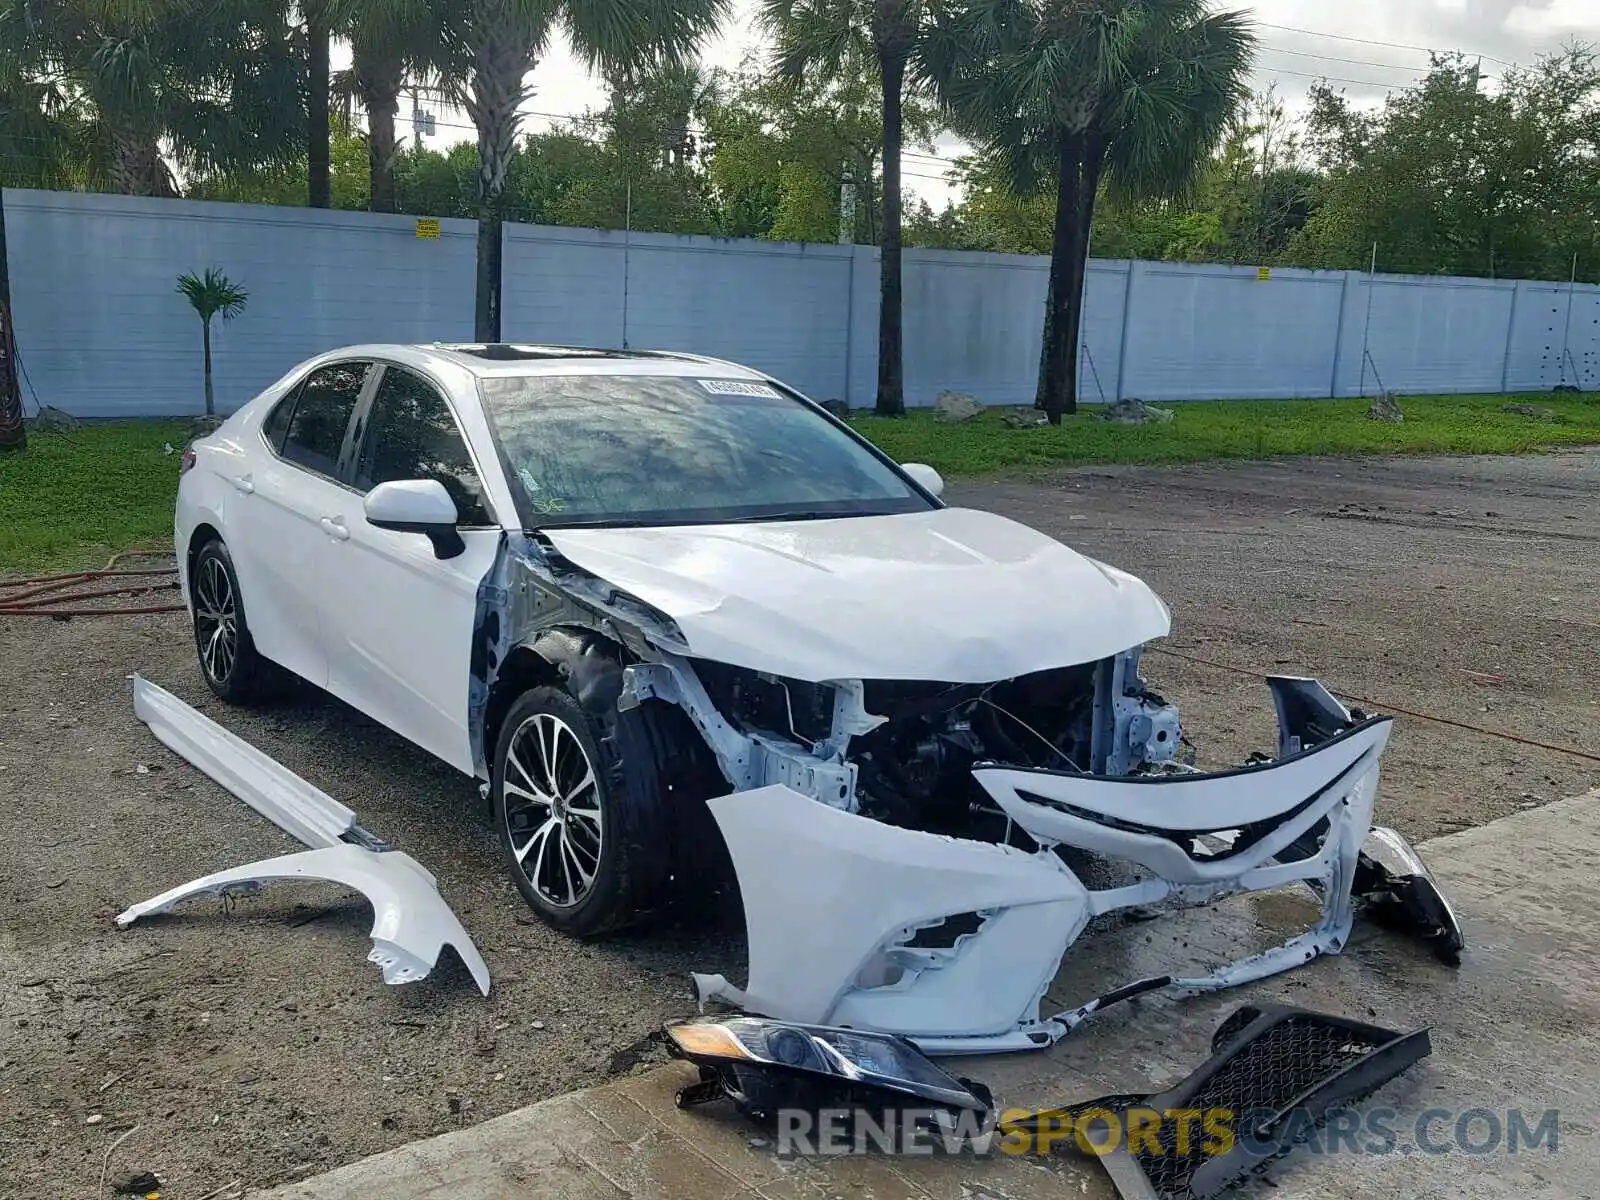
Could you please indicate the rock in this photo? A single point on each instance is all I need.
(1137, 412)
(954, 408)
(1385, 409)
(1529, 410)
(1024, 418)
(838, 408)
(52, 420)
(203, 427)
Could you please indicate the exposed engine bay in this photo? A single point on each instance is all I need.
(915, 768)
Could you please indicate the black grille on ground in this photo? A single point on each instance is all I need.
(1279, 1071)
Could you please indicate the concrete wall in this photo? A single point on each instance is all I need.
(103, 333)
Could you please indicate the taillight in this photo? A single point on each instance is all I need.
(188, 460)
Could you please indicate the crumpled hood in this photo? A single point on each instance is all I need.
(954, 595)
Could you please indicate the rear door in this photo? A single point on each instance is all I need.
(281, 535)
(399, 632)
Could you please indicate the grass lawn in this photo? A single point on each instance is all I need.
(72, 500)
(1242, 429)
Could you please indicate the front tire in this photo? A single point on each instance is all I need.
(583, 838)
(232, 668)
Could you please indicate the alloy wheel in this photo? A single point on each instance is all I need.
(552, 810)
(216, 618)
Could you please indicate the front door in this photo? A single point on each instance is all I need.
(399, 632)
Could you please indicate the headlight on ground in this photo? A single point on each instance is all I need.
(767, 1067)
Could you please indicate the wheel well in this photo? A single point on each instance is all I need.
(586, 664)
(523, 669)
(202, 534)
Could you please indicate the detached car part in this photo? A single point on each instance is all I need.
(304, 812)
(1402, 895)
(765, 1066)
(954, 942)
(1277, 1072)
(411, 922)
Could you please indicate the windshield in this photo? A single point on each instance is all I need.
(656, 450)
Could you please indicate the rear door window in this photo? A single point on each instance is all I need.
(316, 431)
(277, 422)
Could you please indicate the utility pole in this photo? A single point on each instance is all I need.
(847, 207)
(13, 435)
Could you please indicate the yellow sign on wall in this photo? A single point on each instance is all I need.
(1262, 273)
(427, 227)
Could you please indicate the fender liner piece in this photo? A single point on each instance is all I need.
(411, 923)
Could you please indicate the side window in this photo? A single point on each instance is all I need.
(411, 435)
(277, 422)
(316, 431)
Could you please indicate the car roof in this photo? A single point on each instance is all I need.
(530, 358)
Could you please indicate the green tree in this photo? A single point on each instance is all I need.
(285, 183)
(215, 82)
(833, 37)
(777, 152)
(642, 168)
(212, 295)
(506, 38)
(1135, 92)
(393, 41)
(1452, 178)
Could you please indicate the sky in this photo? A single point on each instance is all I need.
(1365, 47)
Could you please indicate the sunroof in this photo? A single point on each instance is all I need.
(525, 352)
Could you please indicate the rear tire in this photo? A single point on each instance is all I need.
(232, 668)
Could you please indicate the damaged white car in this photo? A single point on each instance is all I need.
(648, 596)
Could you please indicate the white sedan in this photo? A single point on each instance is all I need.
(616, 586)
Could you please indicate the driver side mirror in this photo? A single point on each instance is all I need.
(925, 477)
(417, 506)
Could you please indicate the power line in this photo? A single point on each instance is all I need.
(1355, 62)
(1339, 37)
(1374, 83)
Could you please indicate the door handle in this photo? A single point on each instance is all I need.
(335, 527)
(244, 483)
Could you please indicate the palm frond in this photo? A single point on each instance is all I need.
(638, 32)
(213, 294)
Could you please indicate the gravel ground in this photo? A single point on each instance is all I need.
(259, 1046)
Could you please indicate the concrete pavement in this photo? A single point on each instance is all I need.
(1517, 1028)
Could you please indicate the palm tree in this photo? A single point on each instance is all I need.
(827, 36)
(506, 38)
(1135, 93)
(212, 295)
(212, 80)
(394, 41)
(318, 35)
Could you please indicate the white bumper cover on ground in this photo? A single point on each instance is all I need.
(834, 902)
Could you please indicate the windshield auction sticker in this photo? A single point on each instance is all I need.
(738, 387)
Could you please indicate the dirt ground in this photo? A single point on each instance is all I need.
(259, 1046)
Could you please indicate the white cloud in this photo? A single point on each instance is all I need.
(1555, 18)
